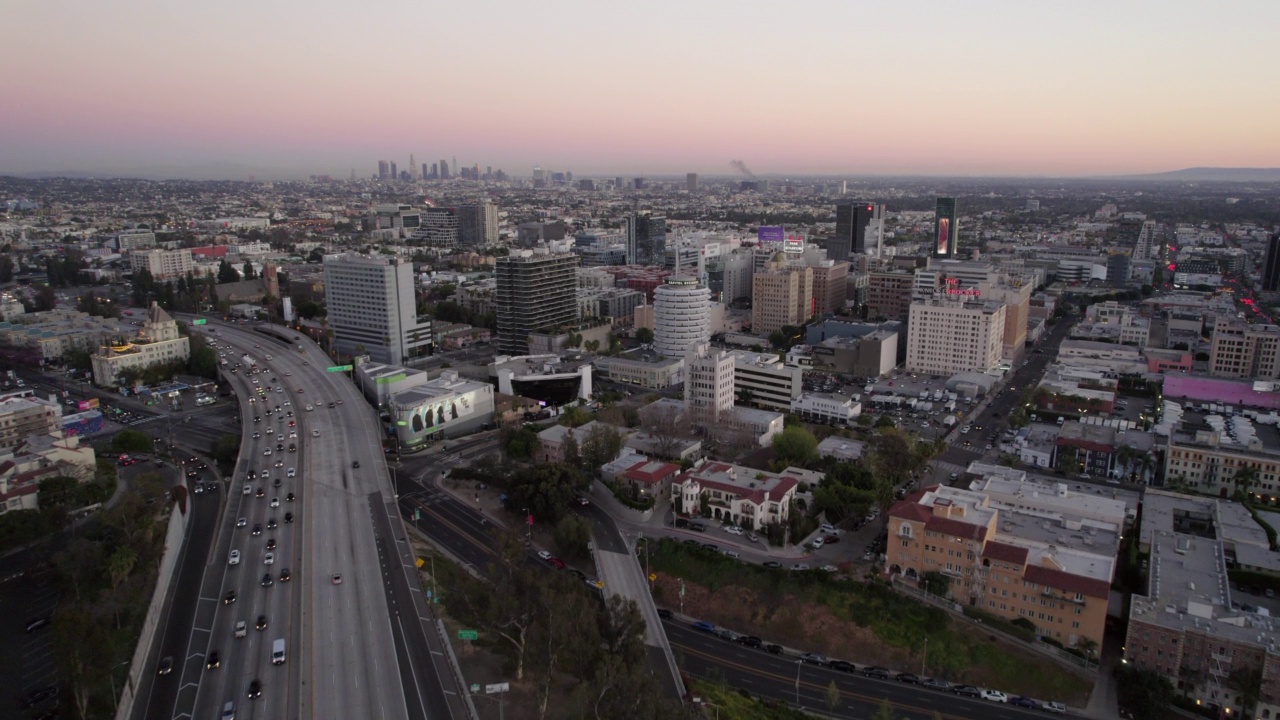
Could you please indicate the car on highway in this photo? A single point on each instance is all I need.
(242, 522)
(288, 517)
(331, 406)
(266, 580)
(1023, 701)
(257, 529)
(995, 696)
(289, 498)
(285, 575)
(248, 489)
(271, 543)
(269, 559)
(291, 472)
(37, 624)
(229, 598)
(355, 464)
(260, 493)
(262, 623)
(166, 666)
(315, 433)
(275, 502)
(255, 689)
(815, 659)
(267, 451)
(35, 697)
(242, 628)
(234, 558)
(336, 579)
(967, 691)
(213, 661)
(703, 625)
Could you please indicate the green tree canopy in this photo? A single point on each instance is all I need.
(131, 441)
(795, 446)
(644, 336)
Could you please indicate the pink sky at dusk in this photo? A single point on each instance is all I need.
(287, 88)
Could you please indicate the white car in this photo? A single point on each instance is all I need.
(544, 555)
(315, 433)
(275, 502)
(291, 472)
(234, 558)
(242, 522)
(242, 629)
(830, 529)
(269, 559)
(1056, 708)
(267, 451)
(733, 529)
(247, 490)
(310, 408)
(995, 696)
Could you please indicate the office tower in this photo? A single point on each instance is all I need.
(413, 168)
(638, 183)
(478, 224)
(373, 309)
(619, 183)
(946, 232)
(859, 225)
(651, 239)
(394, 175)
(444, 169)
(682, 316)
(691, 182)
(1271, 267)
(536, 292)
(440, 227)
(384, 170)
(1118, 270)
(454, 165)
(424, 174)
(780, 295)
(1244, 350)
(629, 239)
(708, 383)
(435, 171)
(949, 334)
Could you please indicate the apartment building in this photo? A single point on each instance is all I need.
(709, 384)
(22, 414)
(744, 496)
(1206, 452)
(830, 286)
(780, 295)
(1192, 624)
(950, 334)
(1018, 559)
(1242, 350)
(536, 292)
(162, 264)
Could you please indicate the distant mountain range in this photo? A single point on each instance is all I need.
(1215, 174)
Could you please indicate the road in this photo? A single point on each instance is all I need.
(349, 654)
(783, 678)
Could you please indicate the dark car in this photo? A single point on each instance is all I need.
(814, 659)
(843, 666)
(288, 517)
(751, 641)
(36, 624)
(289, 497)
(255, 689)
(166, 666)
(213, 662)
(257, 529)
(285, 575)
(909, 678)
(704, 626)
(830, 540)
(229, 598)
(262, 622)
(937, 684)
(773, 649)
(773, 565)
(35, 697)
(261, 493)
(271, 543)
(272, 524)
(877, 672)
(1023, 701)
(967, 691)
(266, 580)
(665, 614)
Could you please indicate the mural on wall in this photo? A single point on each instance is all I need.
(437, 413)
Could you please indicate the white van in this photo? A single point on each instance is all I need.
(277, 652)
(229, 711)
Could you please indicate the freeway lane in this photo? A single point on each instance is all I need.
(775, 677)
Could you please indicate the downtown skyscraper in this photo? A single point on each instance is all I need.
(857, 224)
(946, 229)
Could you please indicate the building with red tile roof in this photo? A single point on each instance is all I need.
(739, 495)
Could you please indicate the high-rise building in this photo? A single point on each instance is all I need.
(478, 224)
(1271, 267)
(681, 316)
(830, 286)
(1146, 247)
(950, 334)
(638, 183)
(651, 239)
(440, 227)
(729, 275)
(859, 226)
(708, 384)
(444, 169)
(946, 230)
(691, 182)
(384, 170)
(780, 295)
(413, 168)
(394, 175)
(1243, 350)
(1118, 270)
(425, 172)
(536, 292)
(162, 264)
(889, 294)
(373, 309)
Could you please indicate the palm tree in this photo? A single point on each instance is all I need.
(1244, 477)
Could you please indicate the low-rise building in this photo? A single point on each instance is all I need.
(52, 334)
(550, 378)
(162, 264)
(642, 369)
(826, 408)
(746, 497)
(23, 414)
(841, 449)
(763, 380)
(39, 457)
(446, 407)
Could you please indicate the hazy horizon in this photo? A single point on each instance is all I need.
(283, 89)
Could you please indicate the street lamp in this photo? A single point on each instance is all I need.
(799, 664)
(112, 677)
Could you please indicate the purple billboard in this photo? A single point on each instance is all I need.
(770, 234)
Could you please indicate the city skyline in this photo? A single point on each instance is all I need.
(285, 89)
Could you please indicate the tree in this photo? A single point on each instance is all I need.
(46, 298)
(131, 441)
(1068, 461)
(522, 444)
(884, 711)
(82, 647)
(833, 696)
(58, 492)
(227, 273)
(574, 417)
(546, 490)
(571, 536)
(884, 421)
(644, 336)
(569, 452)
(120, 564)
(248, 271)
(592, 346)
(795, 446)
(666, 425)
(936, 583)
(225, 451)
(6, 269)
(601, 445)
(1144, 693)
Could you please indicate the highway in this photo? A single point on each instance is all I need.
(355, 648)
(783, 678)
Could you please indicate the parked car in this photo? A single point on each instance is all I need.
(665, 614)
(909, 678)
(773, 649)
(937, 684)
(703, 625)
(750, 641)
(995, 696)
(843, 666)
(879, 673)
(1023, 701)
(1054, 707)
(967, 691)
(814, 659)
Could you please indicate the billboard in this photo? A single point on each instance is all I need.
(89, 404)
(793, 244)
(942, 246)
(770, 234)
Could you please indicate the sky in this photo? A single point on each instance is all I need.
(287, 88)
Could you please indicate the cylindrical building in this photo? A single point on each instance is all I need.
(681, 316)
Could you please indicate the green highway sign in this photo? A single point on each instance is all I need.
(468, 635)
(199, 321)
(339, 368)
